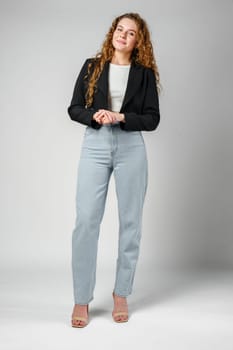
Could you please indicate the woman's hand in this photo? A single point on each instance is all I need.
(104, 116)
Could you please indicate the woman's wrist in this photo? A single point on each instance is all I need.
(122, 117)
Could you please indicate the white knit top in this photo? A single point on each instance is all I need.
(118, 78)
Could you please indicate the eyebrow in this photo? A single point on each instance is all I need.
(119, 25)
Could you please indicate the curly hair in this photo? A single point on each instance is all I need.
(142, 54)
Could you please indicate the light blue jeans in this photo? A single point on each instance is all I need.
(106, 150)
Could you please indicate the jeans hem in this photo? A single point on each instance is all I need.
(123, 295)
(83, 303)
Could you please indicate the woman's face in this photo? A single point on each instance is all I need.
(125, 36)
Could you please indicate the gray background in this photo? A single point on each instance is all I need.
(187, 223)
(188, 208)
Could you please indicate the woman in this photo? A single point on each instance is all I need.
(116, 97)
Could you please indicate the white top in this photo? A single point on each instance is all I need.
(118, 78)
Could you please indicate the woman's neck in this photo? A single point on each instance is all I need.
(121, 59)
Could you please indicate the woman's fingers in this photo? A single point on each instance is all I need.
(105, 119)
(98, 116)
(104, 116)
(111, 116)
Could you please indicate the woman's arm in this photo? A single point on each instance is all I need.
(77, 109)
(149, 119)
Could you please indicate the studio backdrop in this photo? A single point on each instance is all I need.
(187, 220)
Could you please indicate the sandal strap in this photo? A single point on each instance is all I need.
(79, 319)
(120, 314)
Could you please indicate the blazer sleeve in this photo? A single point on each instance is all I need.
(149, 118)
(77, 109)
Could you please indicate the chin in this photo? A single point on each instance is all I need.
(120, 48)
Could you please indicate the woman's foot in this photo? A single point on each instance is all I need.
(120, 311)
(80, 316)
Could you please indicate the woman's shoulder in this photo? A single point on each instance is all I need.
(89, 63)
(145, 69)
(90, 59)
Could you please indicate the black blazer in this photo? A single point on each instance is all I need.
(140, 105)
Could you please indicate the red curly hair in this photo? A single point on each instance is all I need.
(143, 54)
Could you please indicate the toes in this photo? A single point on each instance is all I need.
(78, 323)
(121, 318)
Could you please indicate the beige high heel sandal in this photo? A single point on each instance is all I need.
(120, 313)
(79, 318)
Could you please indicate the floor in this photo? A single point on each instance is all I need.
(168, 310)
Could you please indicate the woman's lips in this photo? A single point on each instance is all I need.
(121, 42)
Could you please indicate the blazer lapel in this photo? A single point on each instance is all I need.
(103, 80)
(134, 82)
